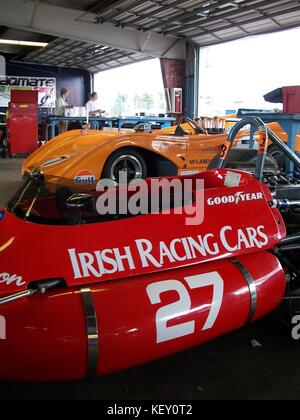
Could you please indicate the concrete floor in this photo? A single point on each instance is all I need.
(228, 368)
(10, 178)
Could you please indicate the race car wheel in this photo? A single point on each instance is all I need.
(127, 162)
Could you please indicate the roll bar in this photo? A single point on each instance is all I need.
(265, 135)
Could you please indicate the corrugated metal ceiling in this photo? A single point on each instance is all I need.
(204, 22)
(95, 58)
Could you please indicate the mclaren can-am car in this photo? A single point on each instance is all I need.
(86, 155)
(85, 293)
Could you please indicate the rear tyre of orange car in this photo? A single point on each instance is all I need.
(125, 164)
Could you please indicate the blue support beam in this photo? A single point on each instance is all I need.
(192, 81)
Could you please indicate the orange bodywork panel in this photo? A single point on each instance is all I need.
(71, 153)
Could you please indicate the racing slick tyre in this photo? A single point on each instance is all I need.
(127, 162)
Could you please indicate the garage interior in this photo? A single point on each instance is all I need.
(83, 38)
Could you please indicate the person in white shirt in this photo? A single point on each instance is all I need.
(61, 106)
(93, 109)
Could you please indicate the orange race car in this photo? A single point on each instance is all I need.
(86, 156)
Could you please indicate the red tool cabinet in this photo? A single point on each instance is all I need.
(22, 122)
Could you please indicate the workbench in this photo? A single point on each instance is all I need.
(117, 122)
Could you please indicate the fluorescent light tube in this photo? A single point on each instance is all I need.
(23, 43)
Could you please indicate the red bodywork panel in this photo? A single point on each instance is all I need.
(228, 230)
(158, 285)
(47, 337)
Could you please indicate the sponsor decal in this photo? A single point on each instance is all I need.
(144, 254)
(54, 161)
(21, 81)
(85, 177)
(200, 162)
(8, 279)
(46, 88)
(236, 198)
(233, 179)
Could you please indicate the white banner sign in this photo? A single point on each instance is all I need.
(45, 86)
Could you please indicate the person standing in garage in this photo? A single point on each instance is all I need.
(94, 111)
(61, 106)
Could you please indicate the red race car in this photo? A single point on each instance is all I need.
(87, 293)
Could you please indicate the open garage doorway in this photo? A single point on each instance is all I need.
(238, 74)
(133, 89)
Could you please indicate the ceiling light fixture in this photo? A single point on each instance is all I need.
(24, 43)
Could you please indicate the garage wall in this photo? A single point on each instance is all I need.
(78, 81)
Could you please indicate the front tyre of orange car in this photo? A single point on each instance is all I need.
(127, 164)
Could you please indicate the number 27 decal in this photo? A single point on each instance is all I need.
(184, 305)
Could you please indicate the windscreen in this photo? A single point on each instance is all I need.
(57, 201)
(45, 201)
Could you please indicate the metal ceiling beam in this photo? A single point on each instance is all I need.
(193, 14)
(213, 9)
(52, 50)
(266, 16)
(246, 5)
(63, 23)
(189, 19)
(118, 9)
(219, 16)
(84, 64)
(65, 55)
(135, 23)
(258, 32)
(103, 6)
(91, 60)
(246, 21)
(153, 14)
